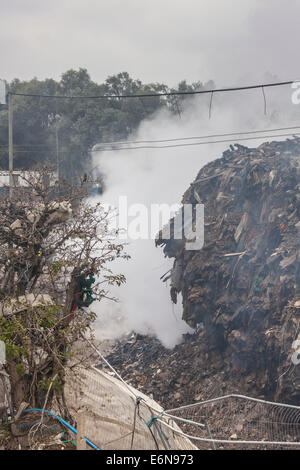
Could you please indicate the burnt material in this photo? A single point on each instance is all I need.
(243, 286)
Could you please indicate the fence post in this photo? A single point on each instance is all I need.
(81, 419)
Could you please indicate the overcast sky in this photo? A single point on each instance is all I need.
(229, 41)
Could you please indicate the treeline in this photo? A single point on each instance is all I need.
(65, 130)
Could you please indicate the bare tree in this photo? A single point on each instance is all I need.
(56, 251)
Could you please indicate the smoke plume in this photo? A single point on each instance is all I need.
(161, 176)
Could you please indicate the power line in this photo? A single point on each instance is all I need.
(145, 147)
(195, 143)
(97, 147)
(36, 151)
(28, 145)
(209, 136)
(152, 95)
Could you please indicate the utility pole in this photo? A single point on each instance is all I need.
(57, 148)
(57, 117)
(10, 142)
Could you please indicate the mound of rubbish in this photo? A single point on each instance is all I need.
(243, 287)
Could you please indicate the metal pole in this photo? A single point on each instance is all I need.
(10, 142)
(57, 149)
(57, 144)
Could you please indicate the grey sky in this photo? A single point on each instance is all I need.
(229, 41)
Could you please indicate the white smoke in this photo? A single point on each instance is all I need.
(162, 176)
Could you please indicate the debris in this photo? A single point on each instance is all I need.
(241, 292)
(241, 227)
(236, 254)
(245, 281)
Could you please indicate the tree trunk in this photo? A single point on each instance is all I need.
(20, 386)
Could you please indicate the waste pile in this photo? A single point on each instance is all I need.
(240, 292)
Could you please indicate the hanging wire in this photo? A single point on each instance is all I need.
(167, 93)
(210, 104)
(265, 101)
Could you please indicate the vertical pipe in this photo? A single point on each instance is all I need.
(57, 150)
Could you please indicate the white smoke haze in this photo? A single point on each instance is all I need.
(162, 176)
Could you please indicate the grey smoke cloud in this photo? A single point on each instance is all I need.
(162, 176)
(228, 41)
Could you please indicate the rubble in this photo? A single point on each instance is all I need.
(242, 288)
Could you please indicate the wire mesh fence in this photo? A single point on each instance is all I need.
(226, 422)
(115, 421)
(119, 417)
(240, 422)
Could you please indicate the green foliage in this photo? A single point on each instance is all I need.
(78, 124)
(20, 369)
(55, 384)
(9, 331)
(41, 326)
(56, 267)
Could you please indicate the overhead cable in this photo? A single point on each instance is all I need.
(153, 95)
